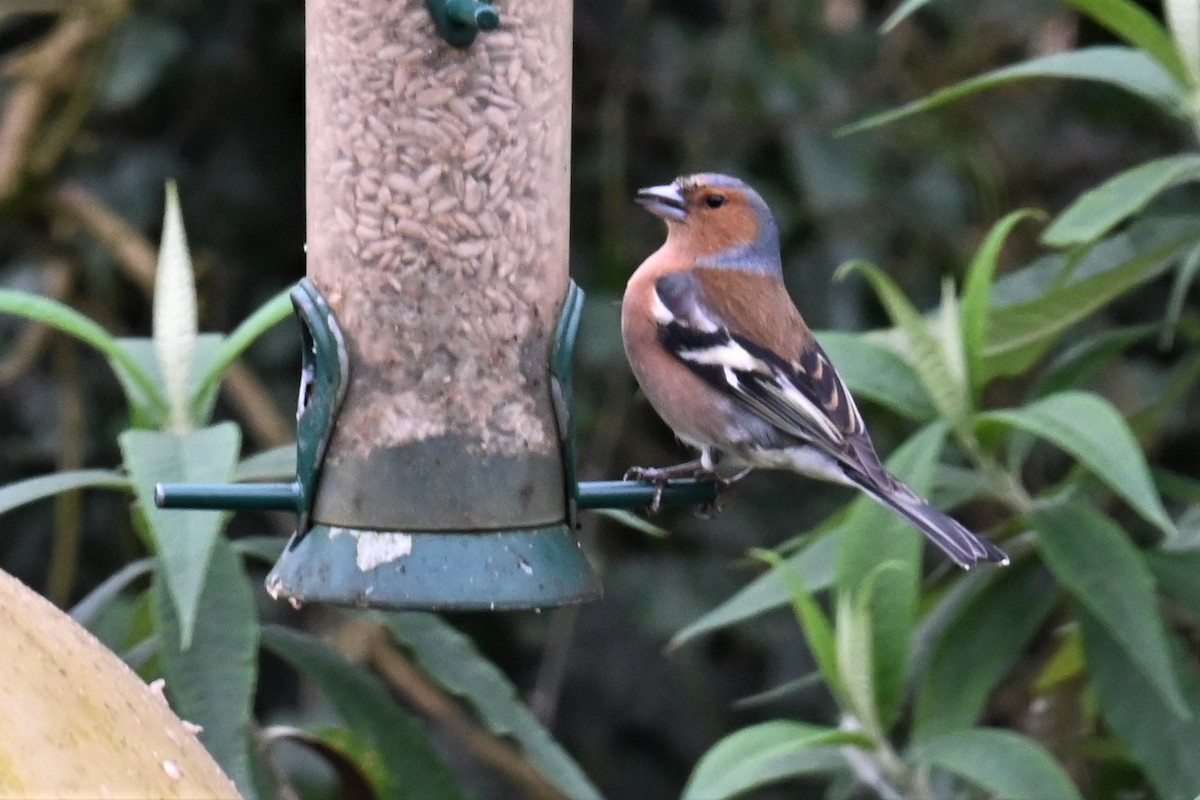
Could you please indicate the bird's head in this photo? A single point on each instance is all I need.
(716, 219)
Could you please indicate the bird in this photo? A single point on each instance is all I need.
(723, 355)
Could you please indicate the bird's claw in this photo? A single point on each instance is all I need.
(710, 510)
(659, 478)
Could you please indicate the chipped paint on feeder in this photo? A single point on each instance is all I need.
(374, 549)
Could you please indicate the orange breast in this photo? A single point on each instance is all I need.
(694, 410)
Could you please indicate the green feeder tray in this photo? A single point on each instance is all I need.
(535, 568)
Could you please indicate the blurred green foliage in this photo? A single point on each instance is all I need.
(1084, 649)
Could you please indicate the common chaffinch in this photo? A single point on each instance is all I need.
(726, 360)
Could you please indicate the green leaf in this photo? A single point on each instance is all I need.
(1099, 210)
(140, 389)
(1162, 741)
(874, 535)
(87, 609)
(174, 323)
(1178, 575)
(275, 464)
(1183, 17)
(266, 549)
(1069, 369)
(873, 370)
(1184, 277)
(1066, 663)
(1137, 27)
(183, 540)
(1122, 67)
(980, 646)
(634, 522)
(1090, 429)
(1004, 763)
(1104, 571)
(814, 566)
(212, 682)
(977, 294)
(450, 659)
(927, 354)
(818, 633)
(856, 656)
(902, 12)
(363, 703)
(764, 753)
(231, 348)
(142, 351)
(144, 48)
(1031, 308)
(31, 490)
(345, 752)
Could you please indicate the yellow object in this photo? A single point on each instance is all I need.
(76, 722)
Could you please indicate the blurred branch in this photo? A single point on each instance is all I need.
(40, 73)
(68, 506)
(427, 697)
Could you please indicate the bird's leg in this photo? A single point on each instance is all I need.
(710, 510)
(660, 476)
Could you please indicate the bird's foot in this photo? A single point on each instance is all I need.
(710, 510)
(661, 476)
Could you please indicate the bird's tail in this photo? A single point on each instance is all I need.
(963, 547)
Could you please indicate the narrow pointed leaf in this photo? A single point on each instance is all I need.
(1104, 571)
(762, 754)
(231, 348)
(451, 659)
(875, 535)
(212, 682)
(87, 609)
(1177, 574)
(140, 388)
(903, 12)
(276, 464)
(857, 661)
(345, 752)
(1138, 27)
(1099, 210)
(1090, 429)
(1121, 67)
(980, 646)
(977, 294)
(31, 490)
(175, 325)
(1183, 17)
(1032, 308)
(415, 771)
(814, 565)
(817, 630)
(1004, 763)
(183, 540)
(925, 352)
(1162, 741)
(1184, 277)
(1071, 368)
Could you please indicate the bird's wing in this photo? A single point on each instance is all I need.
(799, 393)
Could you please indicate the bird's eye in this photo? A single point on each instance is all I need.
(715, 200)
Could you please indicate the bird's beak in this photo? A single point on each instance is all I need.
(663, 201)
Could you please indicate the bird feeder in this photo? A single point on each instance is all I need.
(435, 460)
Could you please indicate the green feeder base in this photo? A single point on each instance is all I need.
(515, 569)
